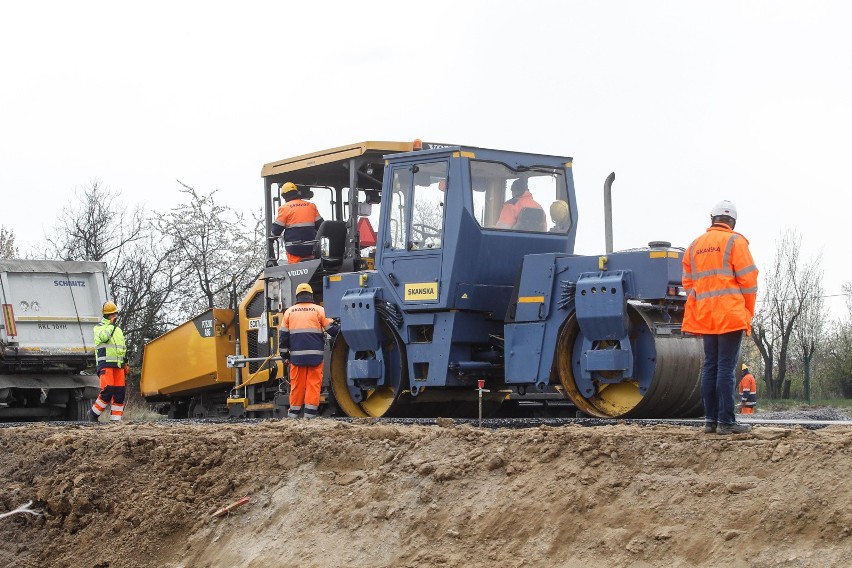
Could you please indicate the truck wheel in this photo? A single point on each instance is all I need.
(77, 409)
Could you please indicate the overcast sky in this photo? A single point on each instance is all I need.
(688, 102)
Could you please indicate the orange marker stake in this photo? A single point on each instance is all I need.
(231, 507)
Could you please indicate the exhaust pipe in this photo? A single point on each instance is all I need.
(608, 211)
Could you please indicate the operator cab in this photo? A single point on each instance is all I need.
(458, 221)
(345, 183)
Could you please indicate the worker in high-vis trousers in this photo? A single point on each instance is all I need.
(748, 392)
(720, 278)
(110, 354)
(301, 339)
(299, 220)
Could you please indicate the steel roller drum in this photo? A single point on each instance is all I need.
(664, 359)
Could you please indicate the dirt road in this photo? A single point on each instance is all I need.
(327, 493)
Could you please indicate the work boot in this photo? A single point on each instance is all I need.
(709, 427)
(733, 428)
(93, 417)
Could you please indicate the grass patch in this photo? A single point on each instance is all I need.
(135, 407)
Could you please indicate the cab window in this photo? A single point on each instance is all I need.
(533, 199)
(417, 206)
(399, 200)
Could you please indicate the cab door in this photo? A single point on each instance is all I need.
(414, 232)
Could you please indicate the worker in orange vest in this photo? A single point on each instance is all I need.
(299, 220)
(521, 199)
(748, 392)
(720, 279)
(301, 339)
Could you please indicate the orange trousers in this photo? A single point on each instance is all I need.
(305, 385)
(112, 394)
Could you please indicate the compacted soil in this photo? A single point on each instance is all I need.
(369, 494)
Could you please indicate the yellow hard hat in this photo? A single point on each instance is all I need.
(745, 366)
(288, 187)
(109, 308)
(304, 288)
(558, 211)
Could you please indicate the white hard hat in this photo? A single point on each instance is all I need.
(724, 207)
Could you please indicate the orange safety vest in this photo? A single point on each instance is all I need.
(748, 391)
(299, 220)
(720, 278)
(303, 333)
(512, 209)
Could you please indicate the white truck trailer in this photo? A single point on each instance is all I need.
(49, 310)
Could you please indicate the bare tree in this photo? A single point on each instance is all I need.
(214, 245)
(7, 243)
(786, 295)
(141, 277)
(836, 378)
(809, 333)
(97, 226)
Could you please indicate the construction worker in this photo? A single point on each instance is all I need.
(301, 339)
(521, 199)
(720, 278)
(748, 392)
(110, 354)
(299, 220)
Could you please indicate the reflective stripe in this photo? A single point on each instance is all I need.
(726, 258)
(713, 272)
(307, 352)
(746, 270)
(303, 330)
(725, 292)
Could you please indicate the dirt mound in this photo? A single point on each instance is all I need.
(327, 493)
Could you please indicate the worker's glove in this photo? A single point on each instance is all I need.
(126, 368)
(285, 355)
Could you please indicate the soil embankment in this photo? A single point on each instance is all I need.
(328, 493)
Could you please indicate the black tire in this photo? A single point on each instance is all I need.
(77, 409)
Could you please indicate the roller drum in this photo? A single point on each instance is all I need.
(669, 363)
